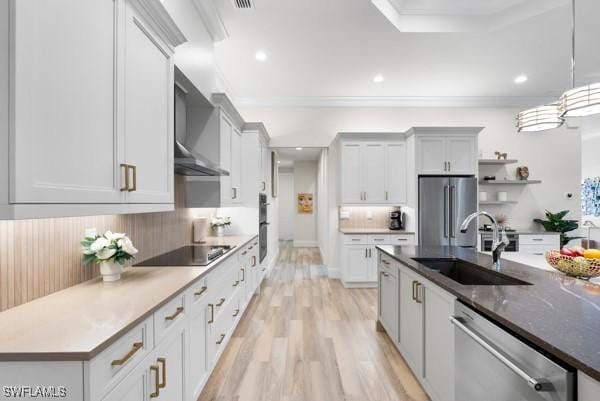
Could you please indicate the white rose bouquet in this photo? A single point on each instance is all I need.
(110, 247)
(220, 221)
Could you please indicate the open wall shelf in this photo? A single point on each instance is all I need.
(492, 162)
(509, 182)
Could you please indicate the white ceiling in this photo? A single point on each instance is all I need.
(292, 154)
(329, 51)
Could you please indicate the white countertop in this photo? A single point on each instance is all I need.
(373, 231)
(79, 322)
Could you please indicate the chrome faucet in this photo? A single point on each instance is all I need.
(500, 240)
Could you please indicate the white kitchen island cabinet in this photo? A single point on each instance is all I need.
(423, 333)
(91, 134)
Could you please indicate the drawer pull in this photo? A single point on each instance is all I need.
(417, 297)
(385, 262)
(163, 362)
(256, 243)
(385, 274)
(156, 392)
(414, 285)
(378, 239)
(136, 347)
(402, 239)
(253, 261)
(355, 239)
(221, 302)
(220, 340)
(537, 239)
(245, 252)
(212, 313)
(178, 311)
(202, 291)
(236, 283)
(250, 248)
(243, 274)
(237, 312)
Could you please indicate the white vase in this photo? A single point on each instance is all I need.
(219, 231)
(110, 271)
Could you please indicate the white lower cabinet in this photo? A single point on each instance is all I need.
(587, 388)
(137, 384)
(415, 314)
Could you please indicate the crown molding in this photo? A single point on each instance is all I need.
(157, 15)
(395, 101)
(212, 19)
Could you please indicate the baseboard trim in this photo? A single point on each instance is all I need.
(366, 284)
(333, 273)
(305, 244)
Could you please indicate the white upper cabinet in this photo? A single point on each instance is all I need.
(255, 164)
(236, 166)
(395, 172)
(446, 151)
(351, 170)
(148, 92)
(373, 172)
(64, 135)
(91, 130)
(226, 133)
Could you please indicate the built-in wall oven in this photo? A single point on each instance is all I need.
(262, 228)
(491, 364)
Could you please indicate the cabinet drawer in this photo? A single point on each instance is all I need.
(168, 317)
(379, 239)
(356, 239)
(535, 249)
(404, 239)
(120, 358)
(538, 240)
(387, 263)
(197, 294)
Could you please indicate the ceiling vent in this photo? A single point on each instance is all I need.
(243, 4)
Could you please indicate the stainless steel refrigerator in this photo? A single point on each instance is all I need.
(444, 202)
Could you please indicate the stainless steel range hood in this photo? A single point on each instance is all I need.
(195, 154)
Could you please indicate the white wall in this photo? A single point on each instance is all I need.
(287, 204)
(554, 157)
(305, 225)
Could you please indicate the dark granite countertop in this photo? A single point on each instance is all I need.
(559, 314)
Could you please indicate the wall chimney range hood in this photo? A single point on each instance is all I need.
(196, 145)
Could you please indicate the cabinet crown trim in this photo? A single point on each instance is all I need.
(160, 19)
(260, 128)
(222, 100)
(444, 131)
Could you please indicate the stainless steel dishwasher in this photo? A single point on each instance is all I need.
(493, 365)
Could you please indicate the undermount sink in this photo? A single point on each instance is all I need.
(468, 273)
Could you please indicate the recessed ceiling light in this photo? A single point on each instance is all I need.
(378, 78)
(520, 79)
(261, 56)
(298, 148)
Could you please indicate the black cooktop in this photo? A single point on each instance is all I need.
(192, 255)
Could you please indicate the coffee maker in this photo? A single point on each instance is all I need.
(397, 220)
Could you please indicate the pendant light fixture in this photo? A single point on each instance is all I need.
(539, 118)
(584, 100)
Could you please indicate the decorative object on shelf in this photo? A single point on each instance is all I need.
(305, 203)
(501, 156)
(200, 227)
(489, 178)
(590, 197)
(219, 223)
(575, 266)
(483, 197)
(522, 173)
(502, 196)
(556, 223)
(577, 102)
(110, 251)
(502, 221)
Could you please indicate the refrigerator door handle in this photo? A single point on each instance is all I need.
(452, 211)
(446, 209)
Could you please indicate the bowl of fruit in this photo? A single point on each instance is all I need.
(576, 261)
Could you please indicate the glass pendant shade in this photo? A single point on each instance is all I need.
(580, 102)
(539, 118)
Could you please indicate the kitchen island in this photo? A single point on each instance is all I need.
(555, 313)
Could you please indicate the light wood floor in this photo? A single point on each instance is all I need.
(307, 338)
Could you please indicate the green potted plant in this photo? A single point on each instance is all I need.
(556, 223)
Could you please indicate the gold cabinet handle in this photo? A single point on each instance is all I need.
(178, 311)
(125, 171)
(212, 313)
(163, 362)
(221, 338)
(134, 169)
(202, 291)
(253, 261)
(243, 274)
(221, 302)
(417, 297)
(250, 248)
(236, 283)
(237, 312)
(245, 252)
(156, 392)
(136, 347)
